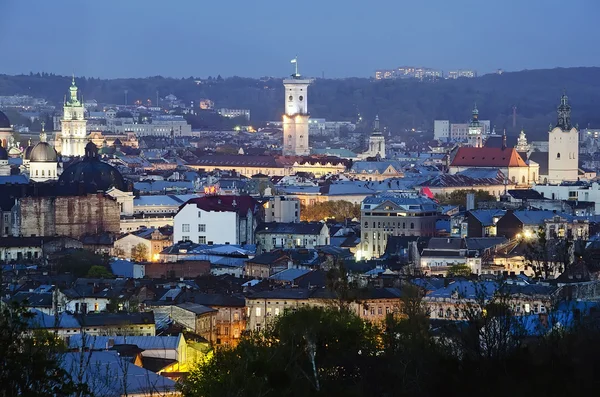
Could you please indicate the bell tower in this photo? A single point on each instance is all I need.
(73, 125)
(295, 118)
(475, 138)
(563, 146)
(376, 141)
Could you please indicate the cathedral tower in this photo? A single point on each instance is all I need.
(563, 146)
(475, 138)
(73, 125)
(376, 141)
(295, 118)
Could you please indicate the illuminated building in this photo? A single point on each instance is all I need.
(295, 119)
(475, 130)
(73, 137)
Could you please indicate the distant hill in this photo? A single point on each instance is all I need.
(401, 104)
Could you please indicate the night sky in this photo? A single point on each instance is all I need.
(182, 38)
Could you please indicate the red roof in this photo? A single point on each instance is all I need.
(239, 204)
(487, 157)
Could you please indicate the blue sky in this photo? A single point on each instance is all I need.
(181, 38)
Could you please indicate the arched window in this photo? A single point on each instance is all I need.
(43, 173)
(558, 155)
(513, 179)
(412, 225)
(523, 179)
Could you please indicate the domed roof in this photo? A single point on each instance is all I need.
(91, 175)
(4, 121)
(3, 154)
(43, 152)
(27, 152)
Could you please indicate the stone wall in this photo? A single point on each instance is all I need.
(72, 216)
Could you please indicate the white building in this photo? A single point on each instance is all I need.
(376, 142)
(73, 126)
(589, 192)
(43, 161)
(160, 126)
(282, 209)
(475, 137)
(563, 147)
(441, 130)
(233, 113)
(296, 117)
(217, 220)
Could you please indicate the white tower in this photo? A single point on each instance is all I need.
(475, 130)
(295, 119)
(376, 141)
(73, 125)
(563, 146)
(522, 145)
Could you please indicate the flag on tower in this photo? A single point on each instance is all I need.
(294, 60)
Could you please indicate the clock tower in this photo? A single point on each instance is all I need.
(295, 118)
(475, 138)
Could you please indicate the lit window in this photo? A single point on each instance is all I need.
(258, 312)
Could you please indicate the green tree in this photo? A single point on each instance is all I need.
(459, 270)
(338, 210)
(459, 197)
(99, 272)
(30, 362)
(310, 352)
(79, 262)
(139, 253)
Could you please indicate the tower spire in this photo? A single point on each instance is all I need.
(43, 135)
(296, 75)
(504, 139)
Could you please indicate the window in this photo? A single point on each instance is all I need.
(558, 155)
(202, 228)
(380, 311)
(277, 311)
(185, 238)
(185, 227)
(202, 240)
(412, 225)
(199, 214)
(258, 312)
(268, 311)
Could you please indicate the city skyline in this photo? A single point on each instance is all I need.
(111, 39)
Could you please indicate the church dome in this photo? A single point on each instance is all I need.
(27, 152)
(91, 175)
(4, 121)
(3, 154)
(43, 152)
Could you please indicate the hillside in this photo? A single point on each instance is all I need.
(400, 103)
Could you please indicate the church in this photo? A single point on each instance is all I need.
(561, 161)
(376, 143)
(36, 199)
(519, 164)
(72, 138)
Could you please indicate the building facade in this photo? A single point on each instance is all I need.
(563, 147)
(395, 215)
(296, 117)
(218, 220)
(272, 236)
(73, 135)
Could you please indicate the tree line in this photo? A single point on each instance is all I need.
(401, 104)
(327, 351)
